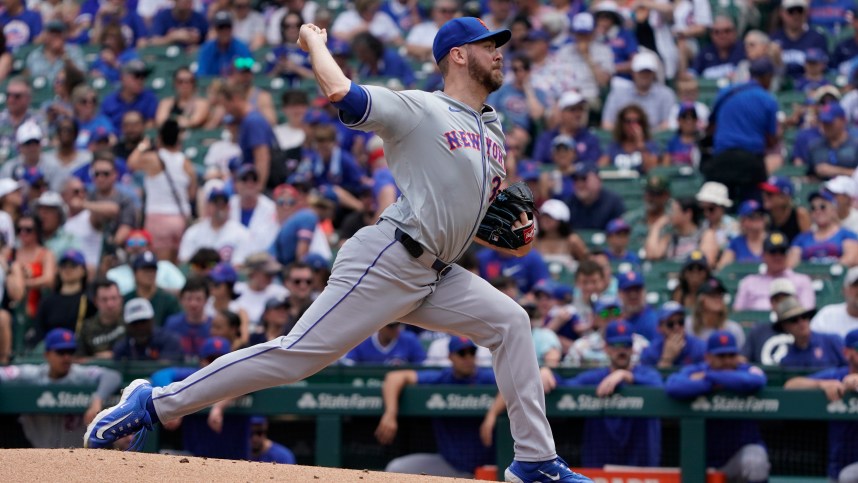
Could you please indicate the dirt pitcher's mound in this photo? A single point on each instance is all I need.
(71, 465)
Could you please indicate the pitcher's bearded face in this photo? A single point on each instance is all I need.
(485, 65)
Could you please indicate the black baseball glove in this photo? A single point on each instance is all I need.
(505, 210)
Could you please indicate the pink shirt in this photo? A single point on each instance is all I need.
(753, 291)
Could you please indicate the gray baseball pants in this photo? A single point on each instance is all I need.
(750, 463)
(374, 282)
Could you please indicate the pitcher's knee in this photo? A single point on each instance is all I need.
(755, 463)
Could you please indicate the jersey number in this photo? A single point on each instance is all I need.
(496, 183)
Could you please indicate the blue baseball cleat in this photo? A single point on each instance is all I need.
(551, 471)
(128, 417)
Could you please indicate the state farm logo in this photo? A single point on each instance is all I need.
(326, 400)
(63, 399)
(587, 402)
(842, 407)
(748, 404)
(438, 402)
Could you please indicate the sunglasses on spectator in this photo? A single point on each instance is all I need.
(86, 100)
(69, 264)
(723, 31)
(610, 312)
(779, 251)
(249, 177)
(102, 174)
(26, 229)
(286, 201)
(620, 345)
(64, 352)
(709, 208)
(301, 281)
(244, 63)
(136, 242)
(184, 80)
(470, 351)
(15, 95)
(673, 323)
(818, 207)
(632, 120)
(258, 432)
(795, 320)
(795, 10)
(696, 268)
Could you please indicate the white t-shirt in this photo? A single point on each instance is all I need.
(247, 29)
(86, 236)
(381, 25)
(254, 302)
(833, 319)
(232, 241)
(219, 154)
(263, 226)
(422, 35)
(289, 137)
(7, 229)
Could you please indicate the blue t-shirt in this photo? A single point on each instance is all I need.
(745, 119)
(709, 65)
(161, 346)
(692, 353)
(299, 226)
(164, 22)
(212, 61)
(823, 251)
(512, 103)
(625, 46)
(246, 215)
(830, 14)
(392, 66)
(618, 440)
(586, 145)
(21, 29)
(801, 148)
(808, 86)
(111, 73)
(277, 453)
(191, 336)
(132, 25)
(793, 52)
(844, 53)
(623, 159)
(341, 170)
(254, 131)
(842, 450)
(742, 251)
(644, 322)
(681, 153)
(824, 350)
(526, 270)
(380, 178)
(293, 53)
(458, 439)
(114, 107)
(629, 257)
(406, 349)
(608, 206)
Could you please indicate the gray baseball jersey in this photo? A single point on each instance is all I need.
(447, 161)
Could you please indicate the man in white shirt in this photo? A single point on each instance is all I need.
(260, 286)
(216, 231)
(418, 44)
(845, 189)
(253, 210)
(840, 318)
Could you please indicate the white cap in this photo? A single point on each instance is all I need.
(138, 309)
(606, 6)
(851, 277)
(50, 198)
(28, 132)
(645, 61)
(8, 185)
(785, 4)
(583, 23)
(842, 185)
(715, 193)
(781, 286)
(569, 99)
(556, 209)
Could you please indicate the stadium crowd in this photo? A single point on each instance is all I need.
(172, 187)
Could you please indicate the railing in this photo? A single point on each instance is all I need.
(329, 403)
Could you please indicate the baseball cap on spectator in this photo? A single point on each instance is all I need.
(528, 170)
(787, 4)
(762, 66)
(458, 343)
(138, 309)
(616, 226)
(465, 30)
(657, 184)
(715, 193)
(778, 185)
(570, 99)
(339, 47)
(544, 286)
(781, 286)
(100, 135)
(222, 19)
(556, 209)
(695, 259)
(583, 23)
(851, 277)
(146, 259)
(223, 272)
(276, 303)
(73, 256)
(258, 420)
(669, 309)
(316, 262)
(136, 67)
(824, 194)
(713, 286)
(56, 26)
(721, 342)
(609, 7)
(815, 55)
(619, 332)
(775, 242)
(789, 308)
(563, 292)
(538, 34)
(28, 131)
(685, 108)
(246, 169)
(8, 185)
(750, 207)
(214, 347)
(60, 339)
(842, 185)
(262, 262)
(645, 61)
(218, 194)
(629, 280)
(606, 302)
(50, 199)
(851, 339)
(583, 169)
(134, 235)
(830, 112)
(563, 140)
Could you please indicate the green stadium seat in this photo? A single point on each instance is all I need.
(658, 274)
(748, 319)
(593, 238)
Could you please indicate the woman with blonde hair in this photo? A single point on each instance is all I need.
(710, 313)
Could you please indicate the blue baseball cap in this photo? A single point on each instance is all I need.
(74, 256)
(563, 292)
(223, 273)
(831, 111)
(465, 30)
(616, 226)
(144, 260)
(60, 339)
(458, 343)
(851, 339)
(528, 170)
(538, 34)
(629, 280)
(258, 420)
(696, 259)
(685, 108)
(605, 302)
(749, 207)
(583, 168)
(218, 194)
(669, 309)
(339, 47)
(816, 55)
(316, 261)
(214, 347)
(618, 332)
(762, 66)
(544, 286)
(721, 342)
(778, 185)
(824, 194)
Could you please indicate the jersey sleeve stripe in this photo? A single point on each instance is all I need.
(365, 114)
